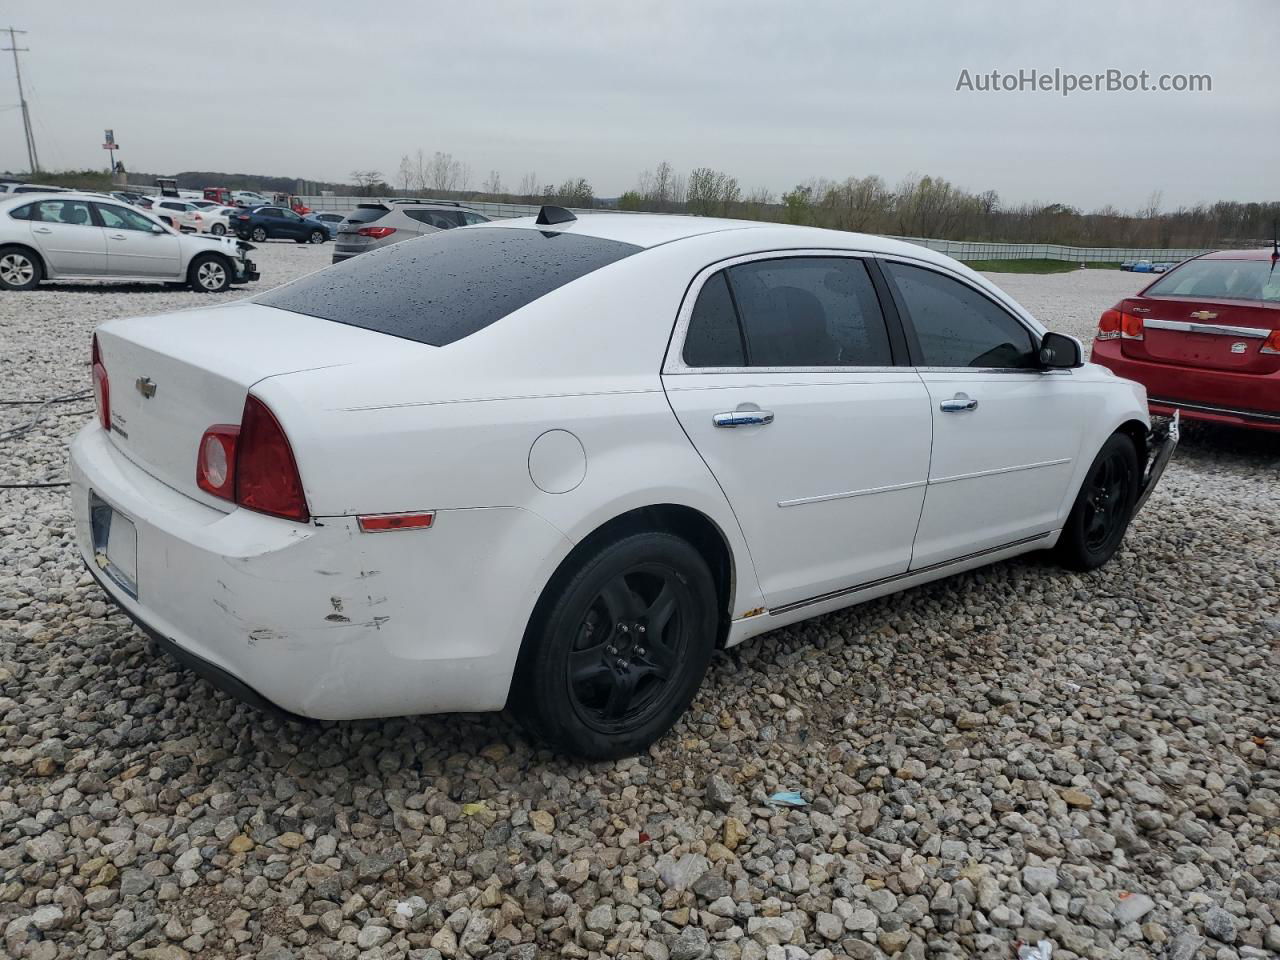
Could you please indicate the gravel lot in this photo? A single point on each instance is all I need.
(1015, 753)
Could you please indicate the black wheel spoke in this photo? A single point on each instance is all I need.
(620, 600)
(658, 659)
(621, 693)
(660, 612)
(588, 665)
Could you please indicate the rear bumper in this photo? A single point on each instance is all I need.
(319, 619)
(1216, 396)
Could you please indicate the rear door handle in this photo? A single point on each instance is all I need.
(41, 230)
(958, 404)
(743, 418)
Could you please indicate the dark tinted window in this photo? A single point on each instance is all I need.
(366, 214)
(443, 219)
(956, 325)
(810, 312)
(471, 218)
(445, 286)
(1221, 280)
(713, 338)
(122, 218)
(25, 212)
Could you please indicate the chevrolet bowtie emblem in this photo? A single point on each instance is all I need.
(146, 386)
(1204, 315)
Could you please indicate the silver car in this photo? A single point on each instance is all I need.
(84, 236)
(384, 222)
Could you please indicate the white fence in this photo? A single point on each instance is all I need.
(959, 249)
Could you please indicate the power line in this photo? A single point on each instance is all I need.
(32, 159)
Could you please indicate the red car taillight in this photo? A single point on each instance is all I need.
(376, 232)
(1115, 324)
(101, 387)
(216, 463)
(1271, 344)
(252, 464)
(242, 216)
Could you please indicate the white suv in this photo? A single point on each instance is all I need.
(80, 236)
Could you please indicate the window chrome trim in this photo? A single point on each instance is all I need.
(674, 363)
(1218, 329)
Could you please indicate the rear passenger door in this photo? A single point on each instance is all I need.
(782, 373)
(71, 241)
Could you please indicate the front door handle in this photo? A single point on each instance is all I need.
(958, 404)
(118, 236)
(743, 418)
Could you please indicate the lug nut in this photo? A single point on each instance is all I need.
(610, 650)
(640, 628)
(639, 651)
(622, 628)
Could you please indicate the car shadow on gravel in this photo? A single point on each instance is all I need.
(1212, 445)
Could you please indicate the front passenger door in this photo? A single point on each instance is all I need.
(290, 224)
(1006, 433)
(135, 249)
(783, 377)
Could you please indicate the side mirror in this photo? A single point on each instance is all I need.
(1060, 352)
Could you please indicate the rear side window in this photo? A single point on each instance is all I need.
(1221, 280)
(443, 219)
(713, 338)
(445, 286)
(956, 325)
(24, 212)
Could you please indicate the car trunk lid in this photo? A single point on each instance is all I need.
(1207, 334)
(173, 376)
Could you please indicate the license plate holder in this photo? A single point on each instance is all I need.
(115, 544)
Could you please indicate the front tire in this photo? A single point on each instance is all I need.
(209, 273)
(259, 234)
(20, 269)
(617, 647)
(1103, 508)
(317, 236)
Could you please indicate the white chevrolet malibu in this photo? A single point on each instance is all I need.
(557, 463)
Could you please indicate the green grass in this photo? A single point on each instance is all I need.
(1034, 266)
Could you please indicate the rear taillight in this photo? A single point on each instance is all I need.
(1109, 325)
(101, 387)
(1130, 327)
(376, 232)
(1271, 344)
(267, 477)
(242, 216)
(252, 464)
(216, 462)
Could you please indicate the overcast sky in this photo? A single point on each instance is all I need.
(774, 93)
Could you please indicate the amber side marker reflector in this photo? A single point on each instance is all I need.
(382, 522)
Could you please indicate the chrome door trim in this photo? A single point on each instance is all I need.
(906, 575)
(866, 492)
(999, 470)
(1218, 329)
(1210, 408)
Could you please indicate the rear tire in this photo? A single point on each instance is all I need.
(218, 230)
(20, 269)
(617, 647)
(1104, 506)
(259, 234)
(209, 273)
(317, 236)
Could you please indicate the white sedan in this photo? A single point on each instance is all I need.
(559, 463)
(81, 236)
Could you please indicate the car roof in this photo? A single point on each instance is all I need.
(61, 195)
(1261, 254)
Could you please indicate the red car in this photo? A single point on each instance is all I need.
(1204, 338)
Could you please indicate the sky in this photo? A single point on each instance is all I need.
(774, 93)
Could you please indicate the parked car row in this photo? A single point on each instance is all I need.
(1146, 266)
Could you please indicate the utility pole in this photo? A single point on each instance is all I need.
(32, 159)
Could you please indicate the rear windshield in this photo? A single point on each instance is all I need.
(366, 214)
(445, 286)
(1221, 280)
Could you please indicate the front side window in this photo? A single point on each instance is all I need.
(122, 218)
(440, 219)
(289, 215)
(70, 212)
(471, 218)
(956, 325)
